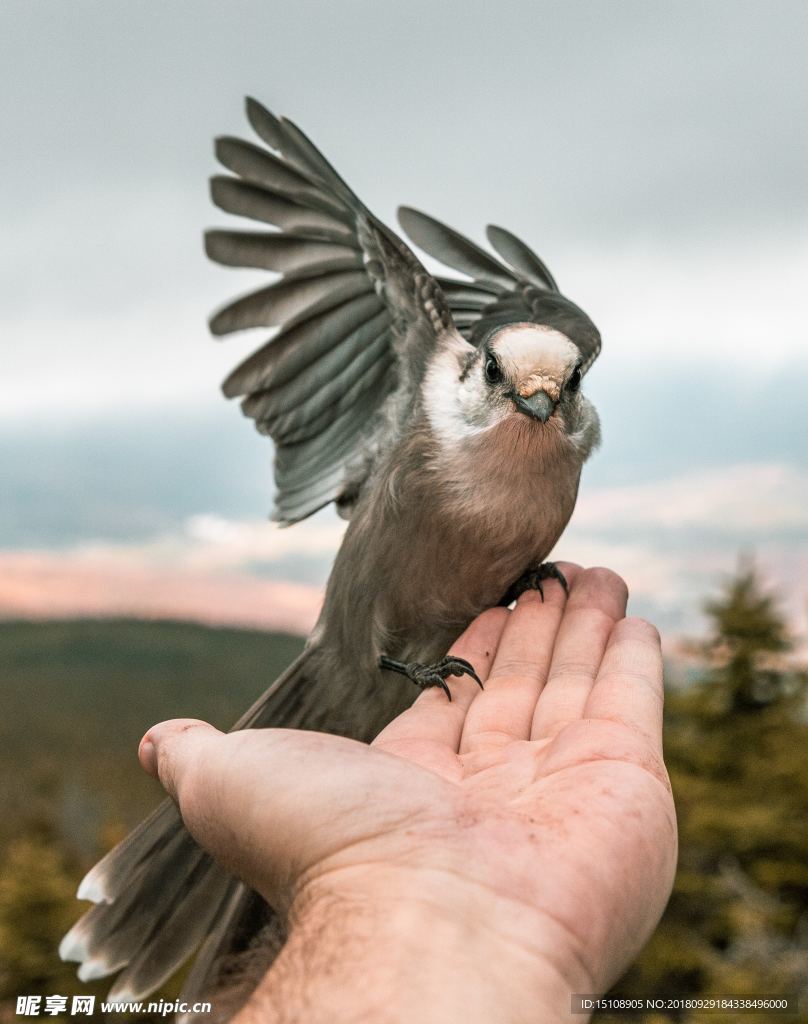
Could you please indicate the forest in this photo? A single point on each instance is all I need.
(78, 696)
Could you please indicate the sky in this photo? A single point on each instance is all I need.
(654, 154)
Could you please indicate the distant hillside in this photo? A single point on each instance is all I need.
(77, 696)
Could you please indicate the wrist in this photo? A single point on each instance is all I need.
(402, 945)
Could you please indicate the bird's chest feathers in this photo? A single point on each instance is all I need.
(511, 490)
(478, 516)
(495, 472)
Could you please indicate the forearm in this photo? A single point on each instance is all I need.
(406, 957)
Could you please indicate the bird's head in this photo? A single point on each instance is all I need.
(523, 377)
(527, 369)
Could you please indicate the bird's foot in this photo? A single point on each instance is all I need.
(532, 580)
(425, 676)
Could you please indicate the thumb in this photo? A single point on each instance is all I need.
(194, 763)
(205, 774)
(270, 804)
(169, 751)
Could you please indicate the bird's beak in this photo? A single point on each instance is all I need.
(539, 405)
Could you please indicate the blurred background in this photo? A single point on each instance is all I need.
(654, 154)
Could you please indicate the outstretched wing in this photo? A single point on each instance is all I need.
(357, 313)
(520, 289)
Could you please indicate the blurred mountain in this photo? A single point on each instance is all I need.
(79, 695)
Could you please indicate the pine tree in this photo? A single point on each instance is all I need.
(736, 743)
(748, 631)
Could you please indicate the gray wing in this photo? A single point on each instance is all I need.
(520, 289)
(357, 313)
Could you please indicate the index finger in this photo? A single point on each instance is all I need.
(629, 685)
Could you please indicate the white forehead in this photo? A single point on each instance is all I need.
(524, 348)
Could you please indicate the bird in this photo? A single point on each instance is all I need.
(445, 419)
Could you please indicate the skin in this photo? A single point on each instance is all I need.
(483, 858)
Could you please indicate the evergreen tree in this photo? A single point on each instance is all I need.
(748, 630)
(736, 743)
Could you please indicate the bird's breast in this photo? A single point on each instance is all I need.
(467, 523)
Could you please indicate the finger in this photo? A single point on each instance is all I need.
(598, 598)
(504, 712)
(190, 759)
(629, 685)
(179, 741)
(428, 733)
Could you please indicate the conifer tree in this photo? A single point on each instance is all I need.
(735, 743)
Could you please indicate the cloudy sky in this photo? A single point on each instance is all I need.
(653, 153)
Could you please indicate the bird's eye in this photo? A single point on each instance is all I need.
(493, 374)
(575, 379)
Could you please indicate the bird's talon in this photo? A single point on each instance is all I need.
(532, 578)
(459, 661)
(425, 676)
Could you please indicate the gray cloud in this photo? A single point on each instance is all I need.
(579, 117)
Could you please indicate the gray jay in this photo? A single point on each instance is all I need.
(444, 418)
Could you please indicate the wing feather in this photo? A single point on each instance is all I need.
(285, 137)
(522, 258)
(270, 250)
(293, 463)
(304, 423)
(451, 248)
(356, 312)
(290, 299)
(466, 293)
(317, 383)
(245, 200)
(296, 347)
(260, 167)
(497, 294)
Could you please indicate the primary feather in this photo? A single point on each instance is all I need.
(352, 305)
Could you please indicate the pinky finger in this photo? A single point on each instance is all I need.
(629, 685)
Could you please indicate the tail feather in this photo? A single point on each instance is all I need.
(154, 926)
(113, 874)
(107, 935)
(199, 977)
(159, 897)
(177, 937)
(157, 893)
(233, 959)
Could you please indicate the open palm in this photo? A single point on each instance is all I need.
(539, 806)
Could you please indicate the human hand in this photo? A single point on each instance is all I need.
(485, 857)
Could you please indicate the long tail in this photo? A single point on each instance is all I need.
(158, 895)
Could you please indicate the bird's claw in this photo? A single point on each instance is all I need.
(532, 578)
(425, 676)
